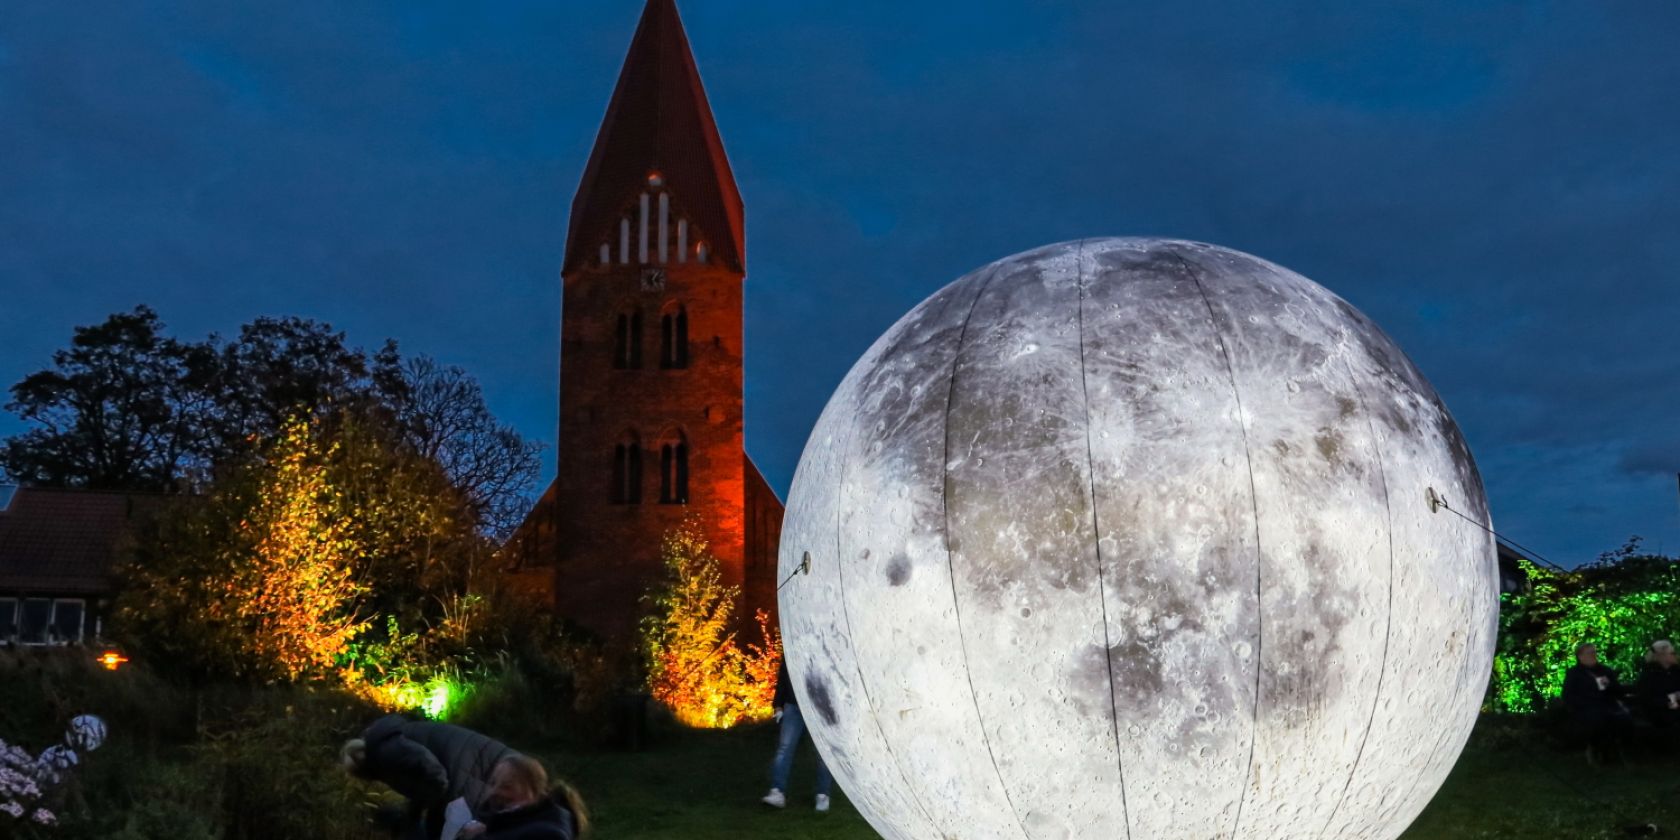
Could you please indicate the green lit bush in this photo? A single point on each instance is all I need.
(1621, 603)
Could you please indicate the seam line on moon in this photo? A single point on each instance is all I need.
(1388, 627)
(1445, 734)
(1259, 555)
(950, 566)
(857, 665)
(1096, 529)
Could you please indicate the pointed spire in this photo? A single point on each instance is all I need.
(658, 122)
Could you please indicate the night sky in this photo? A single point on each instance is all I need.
(1496, 184)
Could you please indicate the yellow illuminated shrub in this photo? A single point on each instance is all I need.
(695, 665)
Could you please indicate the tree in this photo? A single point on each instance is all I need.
(277, 369)
(257, 580)
(330, 535)
(126, 407)
(694, 665)
(419, 548)
(111, 413)
(289, 592)
(439, 411)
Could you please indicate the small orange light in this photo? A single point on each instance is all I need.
(111, 659)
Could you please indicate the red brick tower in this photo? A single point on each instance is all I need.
(651, 346)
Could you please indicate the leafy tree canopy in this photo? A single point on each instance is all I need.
(107, 414)
(128, 407)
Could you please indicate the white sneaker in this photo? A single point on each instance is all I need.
(774, 799)
(822, 803)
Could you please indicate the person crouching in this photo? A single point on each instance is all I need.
(430, 764)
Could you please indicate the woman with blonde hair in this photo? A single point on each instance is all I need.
(526, 807)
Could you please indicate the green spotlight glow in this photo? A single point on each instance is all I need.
(438, 698)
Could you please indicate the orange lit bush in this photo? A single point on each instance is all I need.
(695, 666)
(336, 555)
(256, 579)
(331, 557)
(292, 598)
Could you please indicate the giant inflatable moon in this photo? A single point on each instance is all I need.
(1132, 538)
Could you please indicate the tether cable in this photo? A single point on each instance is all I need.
(1439, 502)
(804, 568)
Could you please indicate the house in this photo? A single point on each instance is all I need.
(58, 552)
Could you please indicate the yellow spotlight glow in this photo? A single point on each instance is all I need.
(111, 659)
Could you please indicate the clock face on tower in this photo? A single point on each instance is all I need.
(653, 279)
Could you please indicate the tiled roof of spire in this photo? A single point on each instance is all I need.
(658, 121)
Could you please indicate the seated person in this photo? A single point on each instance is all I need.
(1658, 688)
(1595, 700)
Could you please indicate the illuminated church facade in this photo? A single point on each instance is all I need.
(651, 375)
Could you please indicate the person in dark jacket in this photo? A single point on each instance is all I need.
(525, 808)
(430, 764)
(1596, 701)
(793, 728)
(1658, 688)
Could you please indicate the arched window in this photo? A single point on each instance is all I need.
(627, 341)
(627, 471)
(673, 470)
(673, 338)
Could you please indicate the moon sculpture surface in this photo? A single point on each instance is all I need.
(1132, 538)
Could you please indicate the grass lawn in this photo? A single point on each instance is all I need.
(703, 785)
(706, 785)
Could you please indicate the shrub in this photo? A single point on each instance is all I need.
(694, 665)
(1621, 603)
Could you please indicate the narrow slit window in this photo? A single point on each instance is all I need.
(627, 341)
(673, 339)
(627, 473)
(673, 472)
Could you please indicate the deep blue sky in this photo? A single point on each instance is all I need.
(1497, 184)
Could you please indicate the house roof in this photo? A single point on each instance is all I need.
(66, 541)
(658, 121)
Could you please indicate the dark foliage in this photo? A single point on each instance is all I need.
(127, 407)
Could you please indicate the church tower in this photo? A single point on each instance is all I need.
(651, 373)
